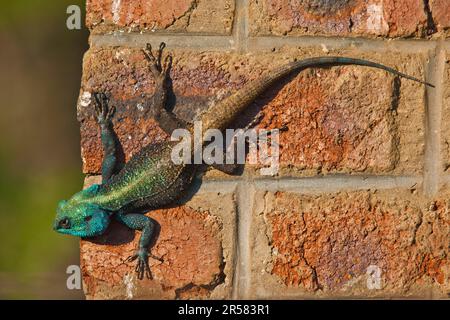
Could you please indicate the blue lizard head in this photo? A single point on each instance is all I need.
(80, 216)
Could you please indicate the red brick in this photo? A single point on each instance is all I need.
(323, 244)
(201, 16)
(388, 18)
(341, 118)
(194, 241)
(440, 10)
(337, 123)
(124, 73)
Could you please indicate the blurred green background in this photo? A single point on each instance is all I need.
(40, 63)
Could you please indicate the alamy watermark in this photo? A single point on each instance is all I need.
(73, 21)
(73, 281)
(212, 148)
(373, 273)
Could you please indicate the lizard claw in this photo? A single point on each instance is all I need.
(103, 112)
(142, 266)
(158, 69)
(156, 258)
(162, 46)
(149, 54)
(167, 65)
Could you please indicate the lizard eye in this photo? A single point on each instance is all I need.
(88, 218)
(65, 223)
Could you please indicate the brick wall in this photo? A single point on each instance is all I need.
(364, 162)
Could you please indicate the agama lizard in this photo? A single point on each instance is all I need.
(150, 180)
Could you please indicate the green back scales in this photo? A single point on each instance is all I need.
(150, 179)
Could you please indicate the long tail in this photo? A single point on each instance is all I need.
(224, 112)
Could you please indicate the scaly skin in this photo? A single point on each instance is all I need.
(150, 179)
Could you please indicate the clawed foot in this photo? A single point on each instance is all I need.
(103, 112)
(142, 266)
(159, 70)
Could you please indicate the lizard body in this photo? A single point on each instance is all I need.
(150, 179)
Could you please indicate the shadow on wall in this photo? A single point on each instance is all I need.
(40, 63)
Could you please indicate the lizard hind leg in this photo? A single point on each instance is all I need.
(166, 119)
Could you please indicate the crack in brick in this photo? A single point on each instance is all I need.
(315, 279)
(187, 14)
(416, 228)
(431, 25)
(192, 287)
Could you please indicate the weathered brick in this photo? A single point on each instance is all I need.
(195, 241)
(339, 123)
(323, 244)
(343, 119)
(196, 16)
(124, 73)
(440, 10)
(388, 18)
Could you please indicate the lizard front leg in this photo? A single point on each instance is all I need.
(147, 226)
(160, 71)
(104, 115)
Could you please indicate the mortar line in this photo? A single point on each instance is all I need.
(225, 186)
(240, 26)
(337, 182)
(326, 183)
(185, 41)
(327, 43)
(240, 41)
(446, 44)
(432, 166)
(242, 273)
